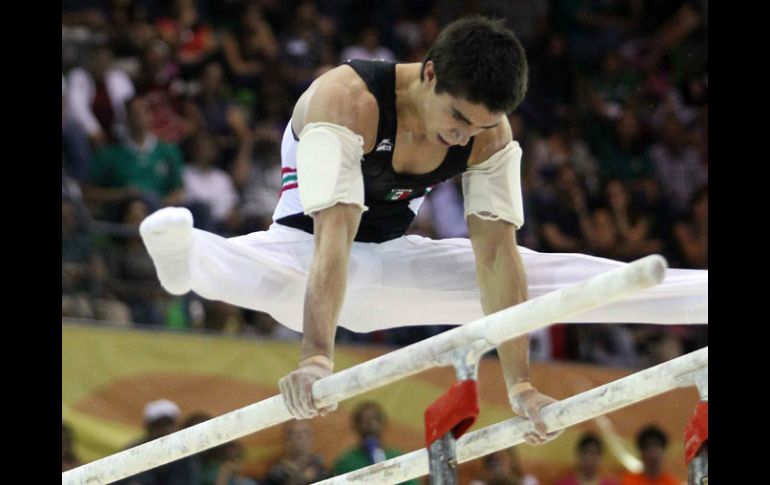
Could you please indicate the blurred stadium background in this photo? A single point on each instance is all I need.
(614, 130)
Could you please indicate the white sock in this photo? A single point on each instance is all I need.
(167, 234)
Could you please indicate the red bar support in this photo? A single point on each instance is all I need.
(456, 410)
(697, 431)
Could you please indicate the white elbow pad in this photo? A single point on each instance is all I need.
(492, 188)
(329, 167)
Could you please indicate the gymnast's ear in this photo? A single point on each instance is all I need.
(428, 72)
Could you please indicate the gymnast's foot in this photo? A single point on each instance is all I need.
(167, 234)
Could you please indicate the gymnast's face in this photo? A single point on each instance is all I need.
(452, 120)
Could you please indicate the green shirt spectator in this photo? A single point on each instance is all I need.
(369, 423)
(357, 458)
(154, 167)
(140, 166)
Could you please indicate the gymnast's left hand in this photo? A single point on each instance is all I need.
(527, 402)
(297, 387)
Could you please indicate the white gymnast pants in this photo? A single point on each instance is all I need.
(408, 281)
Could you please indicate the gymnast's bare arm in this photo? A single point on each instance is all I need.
(338, 97)
(503, 283)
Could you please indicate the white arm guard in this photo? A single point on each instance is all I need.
(492, 188)
(329, 167)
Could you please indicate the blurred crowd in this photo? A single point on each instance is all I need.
(184, 103)
(299, 461)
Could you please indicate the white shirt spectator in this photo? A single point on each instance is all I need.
(213, 187)
(81, 89)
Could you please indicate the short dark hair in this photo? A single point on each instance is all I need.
(588, 439)
(650, 434)
(363, 406)
(478, 59)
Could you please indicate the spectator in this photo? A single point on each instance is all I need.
(215, 113)
(160, 83)
(264, 326)
(88, 13)
(596, 27)
(306, 48)
(273, 113)
(651, 442)
(589, 456)
(250, 49)
(161, 418)
(620, 147)
(96, 97)
(609, 345)
(668, 345)
(633, 228)
(666, 26)
(603, 239)
(194, 418)
(528, 18)
(263, 187)
(223, 465)
(208, 185)
(562, 148)
(129, 27)
(368, 47)
(191, 39)
(132, 270)
(298, 465)
(613, 88)
(504, 467)
(76, 152)
(692, 233)
(551, 86)
(528, 235)
(70, 192)
(564, 218)
(140, 166)
(673, 102)
(194, 462)
(224, 318)
(648, 197)
(408, 37)
(425, 34)
(677, 166)
(68, 458)
(369, 423)
(84, 276)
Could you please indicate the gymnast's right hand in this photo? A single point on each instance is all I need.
(297, 387)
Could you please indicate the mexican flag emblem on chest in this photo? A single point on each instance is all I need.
(399, 194)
